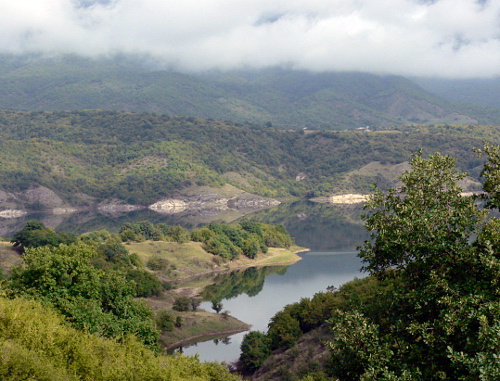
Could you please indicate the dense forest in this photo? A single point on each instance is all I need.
(430, 309)
(289, 99)
(88, 157)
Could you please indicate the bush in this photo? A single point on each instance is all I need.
(165, 321)
(146, 284)
(255, 348)
(36, 343)
(182, 303)
(157, 263)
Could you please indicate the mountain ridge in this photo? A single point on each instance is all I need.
(285, 98)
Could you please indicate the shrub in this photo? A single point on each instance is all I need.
(165, 321)
(182, 303)
(146, 284)
(157, 263)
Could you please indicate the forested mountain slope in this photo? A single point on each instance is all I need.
(90, 157)
(287, 98)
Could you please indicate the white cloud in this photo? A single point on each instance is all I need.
(456, 38)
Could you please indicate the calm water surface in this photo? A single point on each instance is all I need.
(315, 272)
(325, 229)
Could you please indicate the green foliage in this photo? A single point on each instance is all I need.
(106, 155)
(36, 234)
(441, 317)
(140, 231)
(217, 305)
(283, 331)
(276, 236)
(99, 236)
(249, 238)
(157, 263)
(423, 225)
(289, 324)
(357, 348)
(178, 234)
(276, 96)
(146, 284)
(255, 348)
(491, 174)
(97, 301)
(431, 310)
(113, 251)
(36, 343)
(178, 321)
(182, 303)
(165, 321)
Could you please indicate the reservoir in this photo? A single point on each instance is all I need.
(332, 233)
(315, 272)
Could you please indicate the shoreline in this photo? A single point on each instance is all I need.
(247, 263)
(264, 261)
(207, 336)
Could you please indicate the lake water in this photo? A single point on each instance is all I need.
(315, 272)
(331, 232)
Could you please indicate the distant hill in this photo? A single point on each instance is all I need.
(285, 98)
(480, 92)
(85, 158)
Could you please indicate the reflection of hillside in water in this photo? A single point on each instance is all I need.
(82, 222)
(249, 281)
(320, 227)
(316, 226)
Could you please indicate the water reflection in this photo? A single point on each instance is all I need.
(252, 295)
(314, 273)
(322, 227)
(316, 226)
(249, 281)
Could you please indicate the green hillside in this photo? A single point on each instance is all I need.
(91, 157)
(288, 99)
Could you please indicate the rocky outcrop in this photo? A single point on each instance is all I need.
(12, 213)
(196, 200)
(169, 206)
(251, 203)
(210, 202)
(118, 207)
(18, 204)
(348, 198)
(43, 198)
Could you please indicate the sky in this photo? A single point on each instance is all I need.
(443, 38)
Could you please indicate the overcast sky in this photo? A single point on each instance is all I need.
(447, 38)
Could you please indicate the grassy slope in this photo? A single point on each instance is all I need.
(189, 259)
(186, 261)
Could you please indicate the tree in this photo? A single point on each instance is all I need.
(182, 303)
(441, 317)
(491, 174)
(255, 348)
(94, 300)
(36, 234)
(217, 305)
(424, 225)
(283, 331)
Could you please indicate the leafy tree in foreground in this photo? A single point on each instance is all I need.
(37, 343)
(491, 174)
(442, 318)
(94, 300)
(255, 348)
